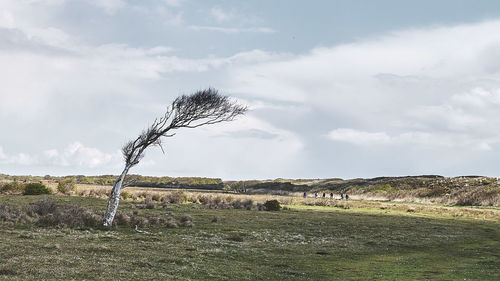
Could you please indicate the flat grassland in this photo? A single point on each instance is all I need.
(360, 241)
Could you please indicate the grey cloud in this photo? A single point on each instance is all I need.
(252, 133)
(15, 40)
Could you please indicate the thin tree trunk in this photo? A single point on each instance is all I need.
(114, 199)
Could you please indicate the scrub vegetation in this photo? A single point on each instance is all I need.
(215, 236)
(461, 191)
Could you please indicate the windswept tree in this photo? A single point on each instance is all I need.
(204, 107)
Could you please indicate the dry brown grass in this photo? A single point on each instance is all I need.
(219, 200)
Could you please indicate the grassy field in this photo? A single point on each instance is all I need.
(361, 242)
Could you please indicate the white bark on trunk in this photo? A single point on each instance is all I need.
(114, 199)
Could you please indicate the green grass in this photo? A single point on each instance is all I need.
(302, 243)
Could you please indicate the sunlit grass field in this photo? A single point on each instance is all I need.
(358, 241)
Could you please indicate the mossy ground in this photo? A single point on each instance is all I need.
(300, 243)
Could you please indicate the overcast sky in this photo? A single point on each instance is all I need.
(335, 88)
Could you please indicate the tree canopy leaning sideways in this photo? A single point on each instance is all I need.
(201, 108)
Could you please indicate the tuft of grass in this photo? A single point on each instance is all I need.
(186, 221)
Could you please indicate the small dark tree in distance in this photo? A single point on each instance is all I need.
(187, 111)
(272, 205)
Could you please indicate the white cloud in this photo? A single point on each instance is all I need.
(6, 19)
(22, 159)
(17, 159)
(174, 19)
(78, 155)
(174, 3)
(359, 137)
(3, 156)
(424, 87)
(109, 6)
(414, 89)
(256, 147)
(411, 138)
(221, 16)
(232, 30)
(75, 155)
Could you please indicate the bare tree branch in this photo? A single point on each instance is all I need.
(204, 107)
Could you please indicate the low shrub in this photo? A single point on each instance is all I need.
(83, 193)
(41, 208)
(242, 204)
(122, 219)
(204, 199)
(140, 221)
(237, 204)
(12, 214)
(52, 214)
(156, 197)
(47, 213)
(66, 186)
(125, 195)
(98, 193)
(171, 223)
(433, 191)
(12, 188)
(479, 196)
(186, 220)
(154, 220)
(177, 197)
(150, 205)
(272, 205)
(36, 189)
(248, 204)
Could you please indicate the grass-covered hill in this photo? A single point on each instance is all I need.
(466, 190)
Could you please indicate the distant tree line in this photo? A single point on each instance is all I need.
(135, 180)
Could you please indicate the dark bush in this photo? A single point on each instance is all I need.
(36, 189)
(272, 205)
